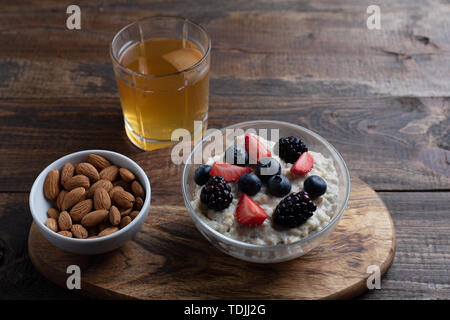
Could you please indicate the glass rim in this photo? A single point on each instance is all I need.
(155, 17)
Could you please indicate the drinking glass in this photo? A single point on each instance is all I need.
(161, 65)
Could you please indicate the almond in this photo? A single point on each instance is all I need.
(66, 233)
(53, 213)
(114, 189)
(125, 212)
(51, 185)
(124, 199)
(73, 197)
(102, 226)
(114, 216)
(124, 222)
(67, 172)
(122, 183)
(109, 173)
(93, 231)
(60, 198)
(79, 231)
(87, 170)
(138, 203)
(126, 175)
(81, 209)
(77, 181)
(102, 199)
(133, 214)
(137, 189)
(108, 231)
(105, 184)
(64, 221)
(52, 224)
(98, 161)
(94, 218)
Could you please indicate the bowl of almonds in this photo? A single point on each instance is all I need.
(90, 202)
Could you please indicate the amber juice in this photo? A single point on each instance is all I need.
(163, 86)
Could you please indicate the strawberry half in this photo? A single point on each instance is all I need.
(228, 171)
(304, 164)
(249, 213)
(255, 149)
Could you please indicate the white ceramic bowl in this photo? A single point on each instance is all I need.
(39, 206)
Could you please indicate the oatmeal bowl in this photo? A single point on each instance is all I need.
(265, 191)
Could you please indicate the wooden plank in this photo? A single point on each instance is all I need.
(246, 73)
(421, 268)
(311, 52)
(297, 32)
(391, 143)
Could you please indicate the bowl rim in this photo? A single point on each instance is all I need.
(246, 245)
(34, 189)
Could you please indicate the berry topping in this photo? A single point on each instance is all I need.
(236, 155)
(250, 184)
(315, 186)
(249, 213)
(256, 150)
(228, 171)
(294, 210)
(201, 175)
(304, 164)
(278, 185)
(267, 167)
(216, 194)
(291, 148)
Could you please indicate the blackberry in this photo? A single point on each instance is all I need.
(291, 148)
(294, 210)
(216, 193)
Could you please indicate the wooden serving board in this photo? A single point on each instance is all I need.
(170, 259)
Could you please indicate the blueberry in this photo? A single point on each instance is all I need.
(279, 186)
(236, 155)
(249, 183)
(267, 168)
(315, 186)
(201, 175)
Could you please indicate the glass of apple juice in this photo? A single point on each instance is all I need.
(161, 65)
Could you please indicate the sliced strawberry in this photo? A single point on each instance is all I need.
(249, 213)
(255, 149)
(304, 164)
(228, 171)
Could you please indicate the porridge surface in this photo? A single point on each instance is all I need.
(225, 221)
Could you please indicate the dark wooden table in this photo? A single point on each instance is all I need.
(381, 97)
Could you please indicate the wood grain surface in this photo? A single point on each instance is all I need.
(170, 259)
(381, 97)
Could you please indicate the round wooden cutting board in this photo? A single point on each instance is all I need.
(170, 259)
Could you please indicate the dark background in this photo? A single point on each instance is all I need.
(381, 97)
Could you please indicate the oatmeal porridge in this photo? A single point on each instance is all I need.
(296, 197)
